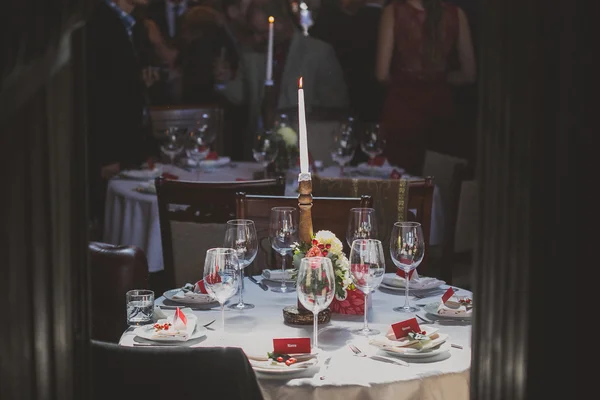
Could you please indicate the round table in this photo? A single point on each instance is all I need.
(347, 377)
(131, 217)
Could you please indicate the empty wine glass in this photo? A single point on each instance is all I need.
(265, 148)
(407, 248)
(240, 235)
(362, 224)
(200, 137)
(172, 142)
(315, 287)
(283, 233)
(221, 276)
(367, 266)
(344, 145)
(372, 143)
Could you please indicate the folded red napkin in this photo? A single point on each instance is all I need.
(377, 161)
(199, 287)
(167, 175)
(212, 156)
(395, 174)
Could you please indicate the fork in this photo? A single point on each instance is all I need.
(359, 353)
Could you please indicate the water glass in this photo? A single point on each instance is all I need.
(172, 142)
(362, 224)
(367, 266)
(407, 248)
(221, 276)
(344, 145)
(140, 307)
(372, 142)
(316, 288)
(265, 149)
(283, 233)
(240, 235)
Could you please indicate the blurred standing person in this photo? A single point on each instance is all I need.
(168, 14)
(416, 39)
(119, 132)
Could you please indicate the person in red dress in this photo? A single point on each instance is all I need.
(418, 41)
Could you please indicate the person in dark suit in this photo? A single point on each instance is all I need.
(119, 133)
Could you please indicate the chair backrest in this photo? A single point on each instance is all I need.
(328, 213)
(114, 271)
(460, 220)
(184, 116)
(192, 219)
(185, 372)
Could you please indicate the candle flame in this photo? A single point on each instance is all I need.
(300, 83)
(271, 20)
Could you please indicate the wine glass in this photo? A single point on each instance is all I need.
(221, 276)
(265, 148)
(372, 143)
(315, 287)
(172, 139)
(283, 233)
(344, 145)
(362, 224)
(240, 235)
(407, 248)
(200, 137)
(367, 266)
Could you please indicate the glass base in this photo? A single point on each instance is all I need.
(407, 309)
(365, 332)
(283, 289)
(241, 306)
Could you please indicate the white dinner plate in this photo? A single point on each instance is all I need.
(441, 346)
(140, 174)
(422, 283)
(420, 292)
(220, 162)
(431, 308)
(202, 300)
(147, 331)
(265, 367)
(290, 281)
(444, 347)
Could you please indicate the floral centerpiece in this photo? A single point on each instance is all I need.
(348, 299)
(288, 153)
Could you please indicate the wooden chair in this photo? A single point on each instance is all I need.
(393, 199)
(460, 222)
(328, 213)
(114, 271)
(184, 116)
(192, 219)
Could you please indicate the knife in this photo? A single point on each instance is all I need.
(389, 360)
(262, 285)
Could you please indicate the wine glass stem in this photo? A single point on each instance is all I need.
(315, 330)
(283, 286)
(341, 169)
(222, 320)
(407, 278)
(366, 327)
(241, 300)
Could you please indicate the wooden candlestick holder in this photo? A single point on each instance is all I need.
(299, 315)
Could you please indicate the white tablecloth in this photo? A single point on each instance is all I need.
(131, 217)
(348, 377)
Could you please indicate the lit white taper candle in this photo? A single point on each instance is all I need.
(302, 128)
(269, 78)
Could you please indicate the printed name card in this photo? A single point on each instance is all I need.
(291, 345)
(447, 295)
(402, 274)
(403, 328)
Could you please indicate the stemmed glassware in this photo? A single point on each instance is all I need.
(240, 235)
(367, 266)
(283, 233)
(407, 248)
(172, 139)
(372, 143)
(221, 276)
(362, 224)
(201, 135)
(315, 287)
(344, 145)
(265, 148)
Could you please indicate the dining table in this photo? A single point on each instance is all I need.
(131, 210)
(339, 373)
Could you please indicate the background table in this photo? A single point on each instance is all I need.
(348, 377)
(131, 217)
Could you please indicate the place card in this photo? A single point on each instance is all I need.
(291, 345)
(403, 328)
(200, 287)
(447, 295)
(402, 274)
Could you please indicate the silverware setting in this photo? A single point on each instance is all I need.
(326, 365)
(359, 353)
(192, 308)
(262, 285)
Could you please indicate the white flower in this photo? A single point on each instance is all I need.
(288, 135)
(327, 237)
